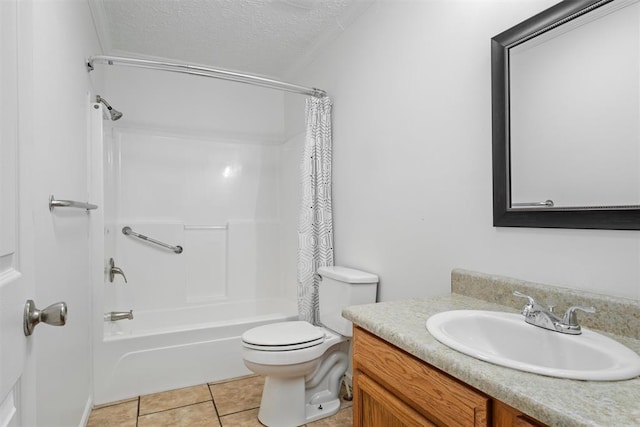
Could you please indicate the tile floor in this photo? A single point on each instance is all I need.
(227, 403)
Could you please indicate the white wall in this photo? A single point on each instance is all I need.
(412, 189)
(192, 105)
(191, 153)
(62, 36)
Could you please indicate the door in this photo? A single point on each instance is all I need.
(16, 243)
(376, 406)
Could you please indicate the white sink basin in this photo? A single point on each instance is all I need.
(505, 339)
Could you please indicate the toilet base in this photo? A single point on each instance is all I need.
(326, 409)
(289, 393)
(281, 393)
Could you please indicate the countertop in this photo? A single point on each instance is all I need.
(553, 401)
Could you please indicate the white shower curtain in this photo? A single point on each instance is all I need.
(315, 224)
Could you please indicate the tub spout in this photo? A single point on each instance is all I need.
(118, 315)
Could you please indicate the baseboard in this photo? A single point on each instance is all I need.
(87, 412)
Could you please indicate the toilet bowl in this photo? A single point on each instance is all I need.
(304, 364)
(289, 368)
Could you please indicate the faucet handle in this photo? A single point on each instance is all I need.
(530, 303)
(118, 270)
(113, 270)
(570, 317)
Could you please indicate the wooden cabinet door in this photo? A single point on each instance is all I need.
(425, 389)
(394, 389)
(375, 406)
(506, 416)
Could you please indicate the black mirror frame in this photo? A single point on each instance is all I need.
(611, 219)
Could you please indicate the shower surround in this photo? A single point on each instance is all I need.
(228, 197)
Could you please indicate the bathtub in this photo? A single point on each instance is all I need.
(169, 349)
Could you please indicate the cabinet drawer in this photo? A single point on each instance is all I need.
(439, 397)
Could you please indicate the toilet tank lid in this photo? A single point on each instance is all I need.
(347, 275)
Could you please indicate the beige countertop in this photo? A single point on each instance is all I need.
(554, 401)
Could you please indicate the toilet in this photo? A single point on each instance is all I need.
(304, 364)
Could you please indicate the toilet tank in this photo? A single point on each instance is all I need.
(341, 287)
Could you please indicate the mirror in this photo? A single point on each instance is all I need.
(566, 118)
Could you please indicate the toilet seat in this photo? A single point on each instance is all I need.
(315, 340)
(283, 336)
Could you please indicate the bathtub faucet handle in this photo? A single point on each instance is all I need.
(113, 270)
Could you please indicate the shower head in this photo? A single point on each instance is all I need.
(115, 114)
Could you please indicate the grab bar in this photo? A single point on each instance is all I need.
(53, 203)
(546, 203)
(127, 231)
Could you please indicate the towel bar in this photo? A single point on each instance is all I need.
(546, 203)
(53, 203)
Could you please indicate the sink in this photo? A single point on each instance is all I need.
(505, 339)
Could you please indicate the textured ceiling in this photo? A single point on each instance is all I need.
(268, 37)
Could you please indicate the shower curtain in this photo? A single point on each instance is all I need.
(315, 224)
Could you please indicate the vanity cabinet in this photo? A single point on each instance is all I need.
(393, 388)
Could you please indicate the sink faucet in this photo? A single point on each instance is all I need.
(537, 315)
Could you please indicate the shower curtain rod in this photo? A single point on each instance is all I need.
(198, 70)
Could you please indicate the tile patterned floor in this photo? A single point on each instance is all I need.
(231, 403)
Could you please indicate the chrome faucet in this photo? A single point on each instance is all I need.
(113, 270)
(537, 315)
(118, 315)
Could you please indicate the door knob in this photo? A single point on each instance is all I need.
(55, 314)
